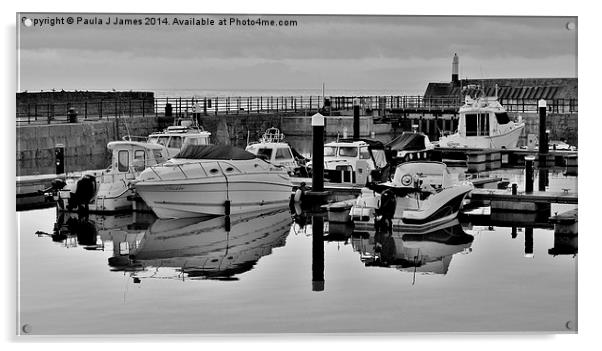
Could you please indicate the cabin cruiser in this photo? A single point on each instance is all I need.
(484, 123)
(216, 248)
(212, 180)
(425, 252)
(174, 138)
(275, 150)
(358, 161)
(421, 195)
(107, 190)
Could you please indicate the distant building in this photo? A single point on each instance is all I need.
(508, 88)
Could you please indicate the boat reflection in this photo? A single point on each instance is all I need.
(92, 231)
(426, 252)
(218, 248)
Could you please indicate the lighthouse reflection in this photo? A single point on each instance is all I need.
(219, 248)
(427, 252)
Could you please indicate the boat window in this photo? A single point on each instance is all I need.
(471, 124)
(348, 151)
(264, 153)
(175, 142)
(330, 151)
(484, 124)
(123, 161)
(153, 140)
(364, 153)
(380, 158)
(502, 118)
(283, 154)
(163, 140)
(139, 160)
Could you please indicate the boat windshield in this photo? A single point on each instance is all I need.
(380, 158)
(264, 153)
(283, 154)
(195, 140)
(502, 118)
(153, 139)
(330, 151)
(348, 151)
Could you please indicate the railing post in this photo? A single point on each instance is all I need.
(143, 108)
(85, 109)
(130, 107)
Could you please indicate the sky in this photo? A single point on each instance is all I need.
(400, 54)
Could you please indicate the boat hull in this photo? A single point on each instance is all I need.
(506, 140)
(215, 197)
(110, 197)
(439, 208)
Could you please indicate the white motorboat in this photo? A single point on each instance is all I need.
(216, 248)
(421, 195)
(174, 138)
(274, 149)
(357, 161)
(426, 252)
(211, 180)
(107, 190)
(484, 124)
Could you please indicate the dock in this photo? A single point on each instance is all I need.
(564, 197)
(477, 160)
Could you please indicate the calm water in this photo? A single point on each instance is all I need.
(136, 274)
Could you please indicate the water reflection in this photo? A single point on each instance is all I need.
(218, 248)
(425, 252)
(92, 231)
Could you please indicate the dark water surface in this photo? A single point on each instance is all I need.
(136, 274)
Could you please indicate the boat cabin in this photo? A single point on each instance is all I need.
(349, 160)
(279, 154)
(272, 148)
(134, 157)
(175, 137)
(484, 117)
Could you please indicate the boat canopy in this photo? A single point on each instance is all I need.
(214, 152)
(408, 141)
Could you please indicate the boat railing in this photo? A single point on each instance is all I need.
(223, 168)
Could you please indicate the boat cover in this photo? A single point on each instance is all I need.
(214, 152)
(408, 141)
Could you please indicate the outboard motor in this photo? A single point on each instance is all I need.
(384, 213)
(50, 192)
(84, 193)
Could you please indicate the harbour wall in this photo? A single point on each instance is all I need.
(560, 125)
(82, 141)
(87, 141)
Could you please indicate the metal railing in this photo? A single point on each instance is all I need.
(46, 113)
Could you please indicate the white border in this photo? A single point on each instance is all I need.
(589, 56)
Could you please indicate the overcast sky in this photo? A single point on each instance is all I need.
(345, 52)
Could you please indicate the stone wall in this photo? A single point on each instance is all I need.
(560, 126)
(35, 144)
